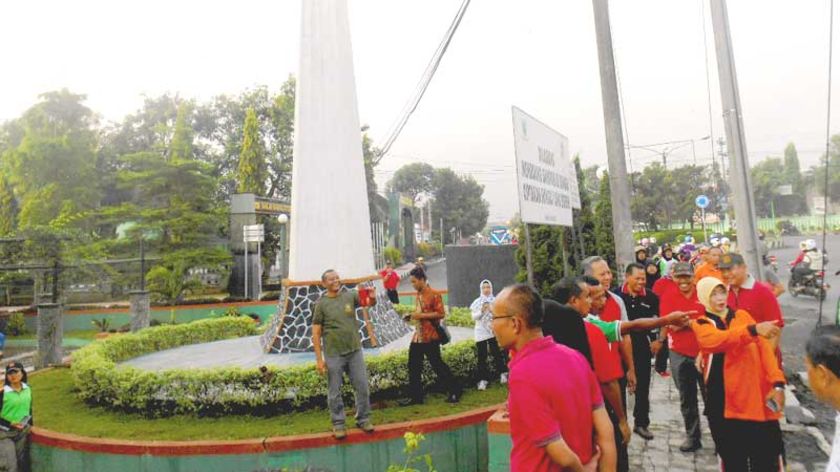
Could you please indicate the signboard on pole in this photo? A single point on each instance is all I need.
(543, 172)
(253, 233)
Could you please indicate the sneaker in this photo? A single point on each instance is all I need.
(339, 432)
(643, 432)
(482, 385)
(665, 374)
(367, 427)
(690, 445)
(503, 378)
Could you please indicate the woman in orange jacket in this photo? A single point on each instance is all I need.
(745, 387)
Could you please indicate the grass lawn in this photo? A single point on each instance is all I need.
(88, 334)
(56, 408)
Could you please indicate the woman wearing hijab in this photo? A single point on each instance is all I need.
(484, 338)
(652, 273)
(745, 387)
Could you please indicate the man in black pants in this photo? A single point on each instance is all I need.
(641, 303)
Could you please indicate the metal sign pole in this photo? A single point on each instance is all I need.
(529, 265)
(247, 268)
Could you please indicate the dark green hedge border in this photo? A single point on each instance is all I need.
(265, 390)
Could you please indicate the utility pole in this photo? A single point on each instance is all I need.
(736, 140)
(619, 183)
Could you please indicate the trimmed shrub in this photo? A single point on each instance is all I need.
(457, 316)
(266, 390)
(394, 255)
(428, 250)
(17, 324)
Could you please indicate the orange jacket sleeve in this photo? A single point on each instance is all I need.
(770, 363)
(716, 340)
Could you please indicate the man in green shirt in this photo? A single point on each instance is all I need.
(334, 321)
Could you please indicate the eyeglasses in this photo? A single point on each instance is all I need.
(12, 371)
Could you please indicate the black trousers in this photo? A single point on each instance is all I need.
(499, 357)
(393, 296)
(747, 446)
(641, 361)
(416, 353)
(623, 462)
(661, 364)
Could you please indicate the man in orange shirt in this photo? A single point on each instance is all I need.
(710, 267)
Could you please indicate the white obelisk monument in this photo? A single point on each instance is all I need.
(330, 221)
(330, 225)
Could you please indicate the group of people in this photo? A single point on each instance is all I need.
(722, 328)
(572, 358)
(338, 347)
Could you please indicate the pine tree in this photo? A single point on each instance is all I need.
(181, 146)
(252, 173)
(604, 240)
(8, 208)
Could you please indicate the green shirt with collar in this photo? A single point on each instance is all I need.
(16, 405)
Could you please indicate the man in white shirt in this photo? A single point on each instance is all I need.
(823, 361)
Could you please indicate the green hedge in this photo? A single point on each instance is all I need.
(457, 316)
(261, 391)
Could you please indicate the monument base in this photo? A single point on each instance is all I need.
(290, 330)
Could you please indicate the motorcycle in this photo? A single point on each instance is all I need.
(812, 284)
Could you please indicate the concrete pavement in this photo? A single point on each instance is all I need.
(663, 454)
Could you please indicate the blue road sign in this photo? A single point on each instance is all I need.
(702, 201)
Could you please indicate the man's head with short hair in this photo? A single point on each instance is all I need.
(597, 267)
(713, 256)
(330, 280)
(635, 276)
(573, 292)
(517, 312)
(417, 276)
(596, 293)
(823, 362)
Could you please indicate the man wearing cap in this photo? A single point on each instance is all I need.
(682, 342)
(745, 293)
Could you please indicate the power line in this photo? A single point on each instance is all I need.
(827, 142)
(426, 79)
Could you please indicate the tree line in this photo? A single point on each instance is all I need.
(165, 173)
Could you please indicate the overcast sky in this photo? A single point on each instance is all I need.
(537, 54)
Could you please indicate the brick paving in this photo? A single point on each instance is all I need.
(662, 453)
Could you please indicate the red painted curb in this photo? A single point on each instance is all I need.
(254, 446)
(499, 423)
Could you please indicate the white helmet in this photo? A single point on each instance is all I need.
(810, 245)
(645, 241)
(724, 241)
(652, 240)
(715, 242)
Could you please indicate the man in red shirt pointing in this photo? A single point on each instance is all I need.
(682, 342)
(745, 293)
(557, 416)
(391, 280)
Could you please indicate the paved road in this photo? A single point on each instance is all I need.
(801, 316)
(435, 272)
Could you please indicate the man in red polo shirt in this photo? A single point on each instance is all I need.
(391, 280)
(613, 310)
(745, 293)
(555, 402)
(684, 349)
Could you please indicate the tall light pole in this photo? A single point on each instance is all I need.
(619, 183)
(736, 140)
